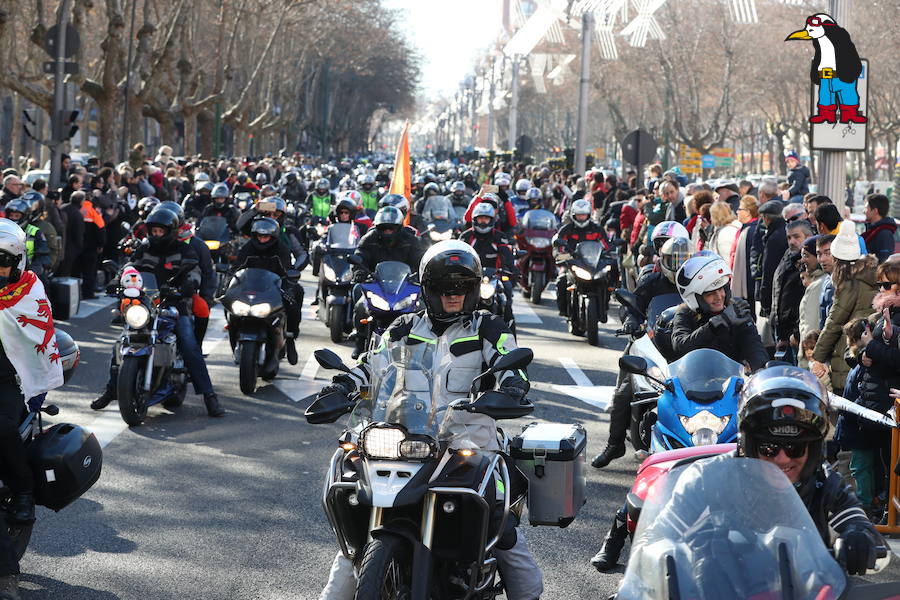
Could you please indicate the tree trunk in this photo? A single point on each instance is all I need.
(206, 123)
(190, 131)
(107, 121)
(135, 122)
(16, 148)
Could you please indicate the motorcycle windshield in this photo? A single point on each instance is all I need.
(704, 371)
(150, 285)
(539, 219)
(728, 527)
(342, 236)
(659, 304)
(438, 208)
(589, 252)
(252, 285)
(213, 228)
(391, 275)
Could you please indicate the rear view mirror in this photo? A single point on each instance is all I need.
(634, 365)
(628, 300)
(355, 259)
(498, 405)
(329, 360)
(514, 359)
(328, 408)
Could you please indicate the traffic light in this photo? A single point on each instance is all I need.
(67, 126)
(28, 119)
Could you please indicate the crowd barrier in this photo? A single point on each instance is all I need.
(893, 498)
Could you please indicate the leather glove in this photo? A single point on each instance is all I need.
(36, 402)
(515, 390)
(341, 384)
(630, 327)
(742, 309)
(855, 551)
(726, 319)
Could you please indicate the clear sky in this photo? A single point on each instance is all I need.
(449, 35)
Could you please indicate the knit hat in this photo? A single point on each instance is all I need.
(810, 245)
(846, 244)
(772, 208)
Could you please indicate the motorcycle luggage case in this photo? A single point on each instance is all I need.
(552, 457)
(65, 296)
(66, 460)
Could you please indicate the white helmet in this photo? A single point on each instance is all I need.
(702, 274)
(12, 248)
(581, 207)
(483, 209)
(665, 231)
(522, 186)
(502, 179)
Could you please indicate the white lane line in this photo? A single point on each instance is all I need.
(523, 312)
(309, 369)
(575, 373)
(107, 426)
(215, 332)
(88, 307)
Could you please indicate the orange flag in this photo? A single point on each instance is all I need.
(400, 182)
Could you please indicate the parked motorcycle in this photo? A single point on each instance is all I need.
(151, 369)
(417, 507)
(734, 528)
(698, 402)
(592, 276)
(537, 266)
(254, 311)
(335, 307)
(389, 294)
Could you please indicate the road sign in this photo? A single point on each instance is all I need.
(69, 68)
(708, 161)
(599, 153)
(843, 136)
(639, 147)
(73, 41)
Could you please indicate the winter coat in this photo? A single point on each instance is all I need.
(809, 304)
(691, 331)
(852, 301)
(885, 370)
(787, 292)
(723, 238)
(852, 432)
(742, 281)
(774, 246)
(879, 238)
(799, 179)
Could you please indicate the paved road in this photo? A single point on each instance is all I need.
(191, 507)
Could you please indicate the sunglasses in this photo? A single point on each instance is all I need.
(771, 449)
(794, 218)
(817, 22)
(885, 285)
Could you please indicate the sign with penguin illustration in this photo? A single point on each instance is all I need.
(840, 86)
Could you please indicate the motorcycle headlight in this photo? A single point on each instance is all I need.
(241, 309)
(329, 272)
(539, 242)
(137, 316)
(704, 437)
(213, 244)
(382, 442)
(582, 273)
(416, 449)
(704, 420)
(487, 290)
(439, 237)
(345, 277)
(406, 302)
(260, 310)
(378, 302)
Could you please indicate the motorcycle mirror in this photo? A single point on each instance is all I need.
(518, 358)
(50, 409)
(628, 300)
(329, 360)
(355, 259)
(328, 408)
(498, 405)
(634, 365)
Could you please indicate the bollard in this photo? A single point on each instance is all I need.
(893, 499)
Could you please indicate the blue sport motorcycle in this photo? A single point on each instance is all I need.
(388, 294)
(698, 402)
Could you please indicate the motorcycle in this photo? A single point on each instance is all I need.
(390, 294)
(413, 503)
(698, 402)
(536, 266)
(335, 307)
(440, 218)
(151, 370)
(254, 311)
(593, 274)
(493, 295)
(214, 232)
(654, 344)
(735, 528)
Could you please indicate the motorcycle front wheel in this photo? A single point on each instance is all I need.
(19, 533)
(537, 286)
(385, 572)
(336, 323)
(592, 320)
(130, 389)
(247, 367)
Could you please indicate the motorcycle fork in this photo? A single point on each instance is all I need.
(148, 370)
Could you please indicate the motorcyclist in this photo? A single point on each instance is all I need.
(344, 212)
(243, 184)
(450, 273)
(387, 240)
(347, 211)
(321, 199)
(469, 180)
(430, 189)
(416, 223)
(369, 194)
(196, 203)
(458, 196)
(38, 252)
(221, 207)
(38, 219)
(535, 198)
(165, 256)
(521, 189)
(493, 248)
(204, 298)
(266, 250)
(674, 253)
(710, 317)
(294, 190)
(24, 294)
(580, 229)
(506, 220)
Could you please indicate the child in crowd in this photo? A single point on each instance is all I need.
(807, 344)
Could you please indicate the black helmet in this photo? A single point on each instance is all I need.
(387, 218)
(220, 190)
(167, 219)
(782, 405)
(146, 205)
(36, 202)
(174, 207)
(21, 206)
(348, 205)
(450, 266)
(290, 177)
(264, 226)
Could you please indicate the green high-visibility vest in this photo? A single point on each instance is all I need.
(321, 205)
(370, 200)
(30, 231)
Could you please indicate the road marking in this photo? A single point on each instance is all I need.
(310, 368)
(88, 307)
(523, 312)
(107, 426)
(215, 331)
(599, 396)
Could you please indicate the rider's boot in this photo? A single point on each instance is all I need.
(200, 325)
(108, 395)
(359, 345)
(291, 348)
(608, 556)
(619, 418)
(9, 587)
(213, 408)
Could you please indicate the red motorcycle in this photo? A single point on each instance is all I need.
(536, 264)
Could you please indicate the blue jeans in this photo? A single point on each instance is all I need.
(834, 91)
(192, 355)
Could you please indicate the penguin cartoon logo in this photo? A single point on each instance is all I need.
(835, 68)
